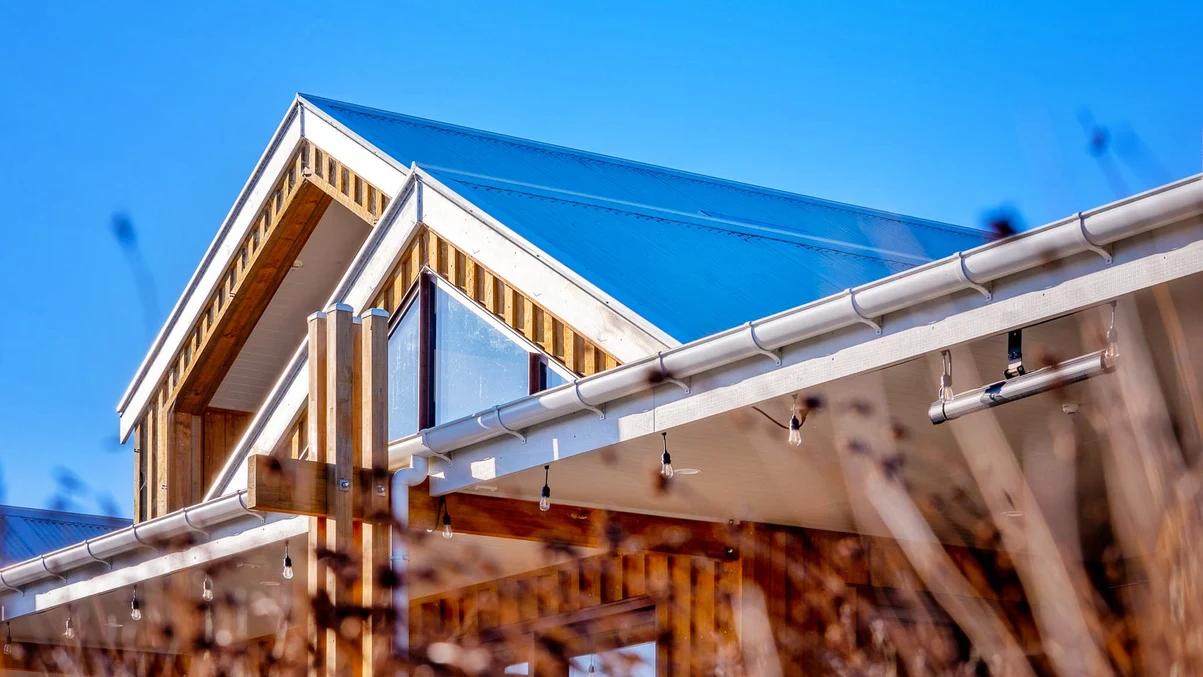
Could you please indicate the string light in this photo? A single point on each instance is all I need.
(69, 630)
(135, 610)
(545, 497)
(666, 462)
(288, 573)
(8, 639)
(207, 589)
(795, 424)
(447, 533)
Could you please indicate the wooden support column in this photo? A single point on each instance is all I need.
(340, 452)
(373, 398)
(316, 435)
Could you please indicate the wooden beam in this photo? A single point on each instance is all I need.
(340, 453)
(575, 526)
(245, 304)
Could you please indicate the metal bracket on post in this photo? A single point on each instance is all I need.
(946, 393)
(576, 388)
(515, 433)
(1014, 355)
(1084, 240)
(245, 508)
(88, 549)
(771, 354)
(193, 527)
(676, 381)
(141, 542)
(861, 317)
(963, 276)
(4, 584)
(46, 568)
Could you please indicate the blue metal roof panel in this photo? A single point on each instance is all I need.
(676, 225)
(28, 532)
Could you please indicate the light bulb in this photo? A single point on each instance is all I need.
(135, 610)
(544, 504)
(69, 631)
(288, 573)
(8, 648)
(447, 533)
(545, 496)
(207, 590)
(8, 639)
(795, 431)
(666, 466)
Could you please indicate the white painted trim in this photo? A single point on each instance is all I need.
(608, 323)
(144, 564)
(209, 273)
(1022, 299)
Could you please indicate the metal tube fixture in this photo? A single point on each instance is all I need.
(1019, 387)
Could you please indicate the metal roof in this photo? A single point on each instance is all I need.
(28, 532)
(691, 254)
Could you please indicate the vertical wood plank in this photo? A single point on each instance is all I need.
(488, 611)
(316, 434)
(611, 578)
(591, 581)
(341, 453)
(658, 588)
(570, 587)
(549, 594)
(680, 605)
(139, 470)
(702, 625)
(634, 575)
(507, 602)
(469, 620)
(373, 399)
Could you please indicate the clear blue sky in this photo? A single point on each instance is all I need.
(161, 111)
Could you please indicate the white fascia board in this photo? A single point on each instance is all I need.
(301, 122)
(364, 277)
(1080, 282)
(617, 329)
(226, 540)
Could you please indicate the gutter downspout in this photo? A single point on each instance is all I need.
(403, 479)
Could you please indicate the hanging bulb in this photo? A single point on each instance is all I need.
(207, 589)
(447, 533)
(795, 431)
(288, 573)
(8, 639)
(135, 610)
(69, 630)
(545, 497)
(591, 664)
(666, 462)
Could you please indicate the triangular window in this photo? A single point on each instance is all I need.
(467, 361)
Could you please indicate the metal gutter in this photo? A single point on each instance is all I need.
(102, 549)
(1089, 231)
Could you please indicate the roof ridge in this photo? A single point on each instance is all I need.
(644, 166)
(700, 221)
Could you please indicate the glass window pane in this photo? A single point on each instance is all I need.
(403, 376)
(475, 364)
(552, 378)
(638, 660)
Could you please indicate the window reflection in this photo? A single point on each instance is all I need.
(403, 375)
(475, 364)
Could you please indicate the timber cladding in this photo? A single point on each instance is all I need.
(172, 453)
(427, 250)
(798, 596)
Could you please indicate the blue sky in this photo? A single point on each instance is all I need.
(160, 112)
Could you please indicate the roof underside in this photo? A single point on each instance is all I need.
(27, 532)
(660, 241)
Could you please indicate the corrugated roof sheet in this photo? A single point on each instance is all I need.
(692, 254)
(29, 532)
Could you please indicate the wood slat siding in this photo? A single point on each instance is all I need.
(568, 346)
(820, 591)
(173, 459)
(689, 607)
(223, 428)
